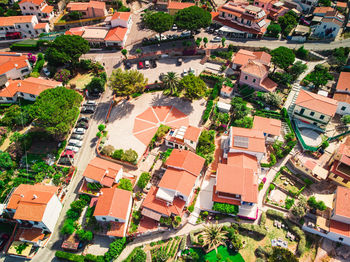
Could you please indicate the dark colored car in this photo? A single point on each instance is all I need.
(82, 125)
(179, 61)
(153, 63)
(84, 119)
(140, 65)
(127, 65)
(88, 109)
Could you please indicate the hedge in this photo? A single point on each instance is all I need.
(115, 248)
(216, 90)
(259, 229)
(273, 214)
(210, 77)
(207, 111)
(39, 64)
(225, 208)
(70, 256)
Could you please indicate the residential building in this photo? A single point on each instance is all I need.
(340, 167)
(322, 10)
(342, 94)
(305, 6)
(34, 206)
(226, 91)
(273, 8)
(28, 89)
(14, 65)
(330, 25)
(90, 9)
(22, 26)
(103, 172)
(39, 8)
(314, 109)
(174, 6)
(183, 138)
(114, 207)
(239, 19)
(176, 187)
(254, 68)
(335, 226)
(269, 126)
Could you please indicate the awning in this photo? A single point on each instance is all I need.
(230, 30)
(166, 195)
(151, 214)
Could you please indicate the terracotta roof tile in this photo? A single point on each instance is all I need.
(31, 234)
(40, 25)
(267, 125)
(339, 228)
(239, 27)
(341, 207)
(113, 202)
(117, 229)
(36, 2)
(116, 34)
(179, 5)
(243, 56)
(256, 139)
(192, 133)
(243, 160)
(323, 9)
(81, 6)
(186, 160)
(317, 103)
(121, 15)
(255, 68)
(226, 89)
(12, 20)
(342, 4)
(343, 82)
(9, 61)
(217, 198)
(268, 84)
(342, 97)
(47, 9)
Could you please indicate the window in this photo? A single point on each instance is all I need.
(345, 181)
(116, 220)
(229, 15)
(254, 80)
(343, 108)
(246, 77)
(321, 116)
(335, 176)
(103, 218)
(9, 98)
(22, 94)
(84, 13)
(27, 25)
(32, 96)
(18, 26)
(191, 141)
(262, 6)
(1, 98)
(302, 111)
(37, 7)
(31, 8)
(30, 32)
(36, 31)
(23, 7)
(36, 223)
(312, 113)
(325, 26)
(341, 239)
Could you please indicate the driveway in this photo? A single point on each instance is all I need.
(121, 121)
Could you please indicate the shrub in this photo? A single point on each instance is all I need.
(320, 205)
(108, 150)
(207, 111)
(72, 214)
(115, 248)
(260, 230)
(130, 156)
(62, 76)
(289, 203)
(69, 256)
(84, 235)
(273, 214)
(225, 208)
(125, 184)
(118, 154)
(143, 180)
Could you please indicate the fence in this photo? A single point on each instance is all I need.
(301, 140)
(330, 139)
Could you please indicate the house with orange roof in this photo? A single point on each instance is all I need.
(184, 137)
(226, 91)
(322, 10)
(335, 226)
(25, 26)
(314, 109)
(342, 94)
(273, 8)
(239, 19)
(176, 187)
(39, 8)
(90, 9)
(113, 207)
(175, 6)
(340, 167)
(14, 65)
(28, 89)
(103, 172)
(35, 206)
(269, 126)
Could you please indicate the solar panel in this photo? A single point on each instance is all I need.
(240, 141)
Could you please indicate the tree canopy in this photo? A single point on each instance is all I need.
(56, 110)
(282, 57)
(288, 22)
(194, 86)
(280, 254)
(192, 18)
(159, 22)
(274, 29)
(66, 49)
(127, 82)
(319, 77)
(97, 84)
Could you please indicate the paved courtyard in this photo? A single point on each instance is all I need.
(122, 118)
(99, 246)
(311, 137)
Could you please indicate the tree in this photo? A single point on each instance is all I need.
(130, 156)
(282, 57)
(205, 40)
(171, 82)
(288, 22)
(66, 49)
(124, 53)
(297, 69)
(206, 145)
(101, 127)
(319, 77)
(125, 184)
(194, 86)
(96, 85)
(302, 53)
(340, 56)
(56, 110)
(280, 254)
(223, 40)
(325, 2)
(239, 108)
(6, 161)
(299, 210)
(345, 119)
(139, 256)
(198, 42)
(75, 15)
(62, 76)
(15, 116)
(125, 83)
(85, 235)
(138, 51)
(159, 22)
(274, 30)
(213, 236)
(246, 122)
(192, 18)
(118, 154)
(143, 180)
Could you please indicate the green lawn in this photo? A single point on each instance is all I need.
(222, 250)
(81, 80)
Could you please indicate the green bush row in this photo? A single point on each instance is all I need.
(115, 248)
(272, 162)
(216, 90)
(259, 229)
(207, 111)
(79, 258)
(39, 64)
(210, 77)
(225, 208)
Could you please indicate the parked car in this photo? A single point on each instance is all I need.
(216, 39)
(84, 119)
(88, 109)
(191, 70)
(154, 63)
(77, 137)
(179, 61)
(79, 131)
(46, 71)
(185, 34)
(146, 64)
(140, 65)
(90, 103)
(74, 142)
(94, 94)
(162, 37)
(73, 148)
(127, 65)
(82, 125)
(174, 28)
(185, 73)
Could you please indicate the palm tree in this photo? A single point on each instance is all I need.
(171, 82)
(213, 236)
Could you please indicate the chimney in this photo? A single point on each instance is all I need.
(22, 195)
(16, 65)
(35, 196)
(19, 84)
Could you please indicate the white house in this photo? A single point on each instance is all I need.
(330, 25)
(183, 138)
(120, 27)
(305, 5)
(26, 26)
(14, 65)
(35, 205)
(39, 8)
(342, 94)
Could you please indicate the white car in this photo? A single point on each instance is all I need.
(74, 142)
(191, 70)
(174, 28)
(73, 148)
(79, 131)
(185, 34)
(185, 73)
(46, 71)
(90, 103)
(216, 39)
(146, 64)
(77, 137)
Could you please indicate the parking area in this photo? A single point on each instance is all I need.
(165, 65)
(121, 121)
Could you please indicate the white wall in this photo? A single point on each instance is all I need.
(340, 218)
(307, 113)
(15, 73)
(52, 213)
(119, 175)
(346, 111)
(27, 29)
(320, 30)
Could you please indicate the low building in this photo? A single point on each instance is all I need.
(305, 6)
(226, 91)
(113, 208)
(342, 94)
(34, 206)
(183, 138)
(39, 8)
(269, 126)
(314, 109)
(14, 65)
(26, 26)
(174, 6)
(28, 89)
(322, 10)
(330, 25)
(340, 168)
(90, 9)
(273, 8)
(300, 33)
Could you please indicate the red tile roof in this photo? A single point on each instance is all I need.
(318, 103)
(255, 68)
(10, 60)
(256, 139)
(192, 133)
(40, 25)
(30, 234)
(160, 206)
(116, 34)
(342, 97)
(30, 85)
(342, 4)
(177, 180)
(268, 84)
(113, 202)
(12, 20)
(342, 201)
(243, 160)
(267, 125)
(36, 2)
(117, 229)
(81, 6)
(217, 198)
(226, 89)
(323, 9)
(47, 9)
(343, 82)
(102, 170)
(186, 160)
(75, 31)
(121, 15)
(179, 5)
(339, 228)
